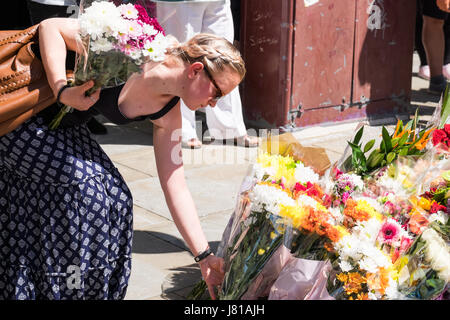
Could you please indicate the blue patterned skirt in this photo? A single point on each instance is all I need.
(65, 216)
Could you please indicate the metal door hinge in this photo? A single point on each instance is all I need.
(295, 113)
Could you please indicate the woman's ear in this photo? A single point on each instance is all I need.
(194, 69)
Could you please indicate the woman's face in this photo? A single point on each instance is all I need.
(205, 88)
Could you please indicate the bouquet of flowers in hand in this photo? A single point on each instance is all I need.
(115, 41)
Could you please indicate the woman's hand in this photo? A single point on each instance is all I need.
(76, 98)
(212, 269)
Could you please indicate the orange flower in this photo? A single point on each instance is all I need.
(378, 281)
(352, 281)
(362, 296)
(353, 213)
(417, 222)
(423, 141)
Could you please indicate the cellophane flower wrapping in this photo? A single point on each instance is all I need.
(257, 241)
(424, 271)
(116, 38)
(385, 255)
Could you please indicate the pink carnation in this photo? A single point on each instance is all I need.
(390, 231)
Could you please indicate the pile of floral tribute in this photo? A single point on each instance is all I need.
(371, 227)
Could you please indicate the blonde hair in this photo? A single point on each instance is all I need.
(214, 51)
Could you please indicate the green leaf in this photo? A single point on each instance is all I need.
(372, 155)
(400, 126)
(358, 136)
(387, 140)
(395, 142)
(403, 151)
(358, 158)
(390, 157)
(402, 140)
(376, 160)
(369, 145)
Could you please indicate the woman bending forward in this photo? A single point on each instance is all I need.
(65, 210)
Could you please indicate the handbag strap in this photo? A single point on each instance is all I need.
(18, 36)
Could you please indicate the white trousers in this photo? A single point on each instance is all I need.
(183, 20)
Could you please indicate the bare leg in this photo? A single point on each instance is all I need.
(434, 43)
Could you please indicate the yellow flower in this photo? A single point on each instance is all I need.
(363, 205)
(273, 235)
(294, 213)
(342, 231)
(284, 167)
(424, 203)
(261, 251)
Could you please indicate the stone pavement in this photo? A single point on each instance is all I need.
(162, 267)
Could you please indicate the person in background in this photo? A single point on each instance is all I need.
(433, 40)
(40, 10)
(183, 20)
(424, 69)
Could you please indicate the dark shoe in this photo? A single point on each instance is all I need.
(437, 85)
(96, 127)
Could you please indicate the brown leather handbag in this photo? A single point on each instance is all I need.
(24, 90)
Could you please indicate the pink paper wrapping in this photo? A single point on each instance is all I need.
(302, 279)
(260, 287)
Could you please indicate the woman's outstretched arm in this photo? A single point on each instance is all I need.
(167, 147)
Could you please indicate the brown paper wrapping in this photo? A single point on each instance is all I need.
(286, 144)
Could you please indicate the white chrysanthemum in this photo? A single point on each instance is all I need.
(128, 11)
(357, 181)
(337, 215)
(437, 253)
(149, 30)
(368, 264)
(368, 230)
(101, 45)
(349, 247)
(439, 216)
(258, 171)
(392, 292)
(345, 266)
(304, 200)
(264, 197)
(156, 49)
(101, 17)
(304, 174)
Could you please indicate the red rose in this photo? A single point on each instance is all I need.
(435, 207)
(447, 129)
(439, 136)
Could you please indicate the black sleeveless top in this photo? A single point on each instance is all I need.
(107, 105)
